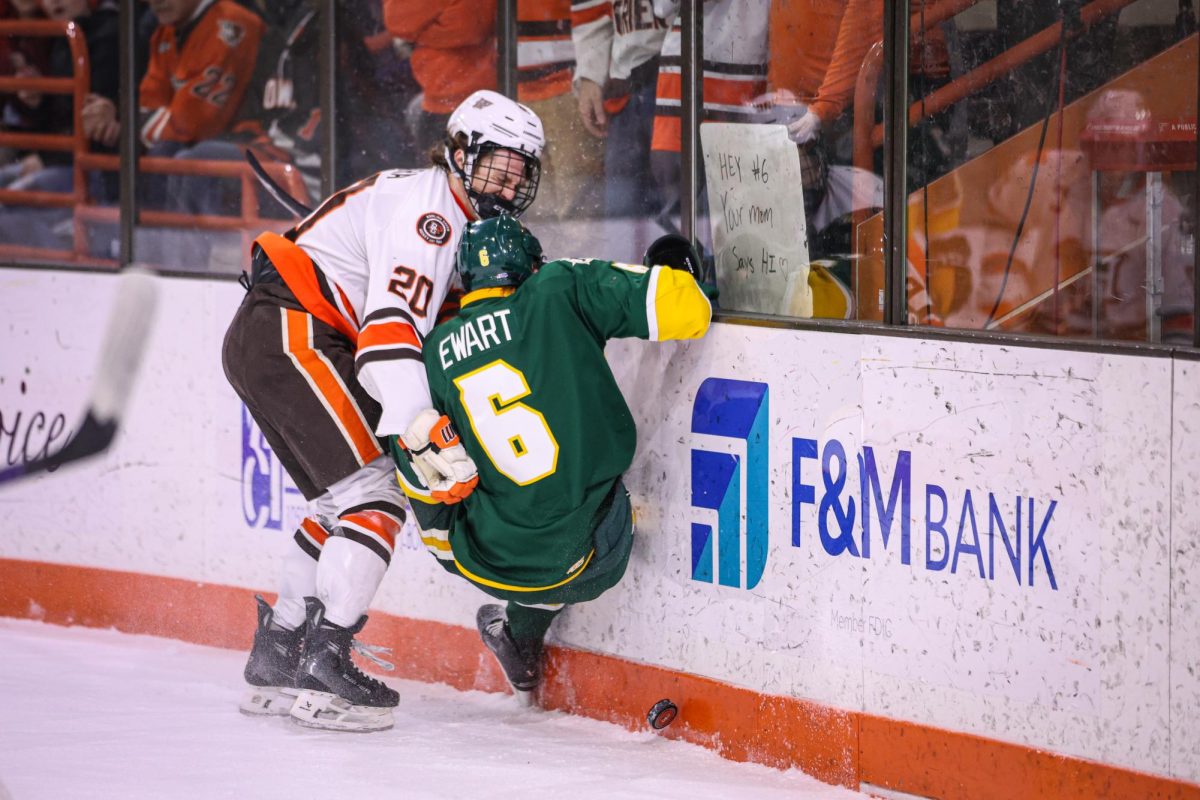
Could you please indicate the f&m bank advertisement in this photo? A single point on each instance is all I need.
(951, 533)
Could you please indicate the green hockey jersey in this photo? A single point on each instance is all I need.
(524, 378)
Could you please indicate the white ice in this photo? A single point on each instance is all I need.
(100, 714)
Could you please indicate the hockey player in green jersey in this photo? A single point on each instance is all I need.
(521, 374)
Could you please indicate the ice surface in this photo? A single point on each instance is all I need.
(89, 713)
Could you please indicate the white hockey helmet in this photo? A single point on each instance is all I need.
(489, 121)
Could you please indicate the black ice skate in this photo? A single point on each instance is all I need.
(333, 692)
(271, 668)
(521, 659)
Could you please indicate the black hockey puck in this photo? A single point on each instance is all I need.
(662, 714)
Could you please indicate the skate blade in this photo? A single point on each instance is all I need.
(525, 699)
(267, 701)
(327, 711)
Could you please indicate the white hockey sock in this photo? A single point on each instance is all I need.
(348, 575)
(298, 578)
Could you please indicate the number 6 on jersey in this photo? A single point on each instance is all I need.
(515, 436)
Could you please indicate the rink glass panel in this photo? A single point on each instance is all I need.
(382, 118)
(209, 209)
(199, 207)
(780, 201)
(53, 210)
(1058, 198)
(1105, 250)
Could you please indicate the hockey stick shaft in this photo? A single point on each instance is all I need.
(282, 197)
(121, 354)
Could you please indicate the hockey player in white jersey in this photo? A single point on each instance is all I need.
(325, 351)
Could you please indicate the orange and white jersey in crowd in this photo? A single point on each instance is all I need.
(613, 37)
(735, 68)
(545, 52)
(198, 73)
(377, 262)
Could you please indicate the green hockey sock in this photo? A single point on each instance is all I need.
(529, 623)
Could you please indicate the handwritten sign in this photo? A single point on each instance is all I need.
(756, 209)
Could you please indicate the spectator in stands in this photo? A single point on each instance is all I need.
(375, 85)
(202, 57)
(453, 54)
(573, 163)
(52, 172)
(816, 51)
(19, 10)
(617, 46)
(201, 61)
(20, 56)
(735, 55)
(55, 113)
(279, 116)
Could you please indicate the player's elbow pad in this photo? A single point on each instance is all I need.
(682, 309)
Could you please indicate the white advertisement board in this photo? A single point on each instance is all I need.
(986, 539)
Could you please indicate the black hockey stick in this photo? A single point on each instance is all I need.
(120, 356)
(283, 198)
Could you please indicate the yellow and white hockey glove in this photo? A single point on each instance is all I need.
(438, 456)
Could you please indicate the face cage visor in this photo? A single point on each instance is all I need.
(493, 168)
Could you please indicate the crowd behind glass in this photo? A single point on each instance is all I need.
(1050, 159)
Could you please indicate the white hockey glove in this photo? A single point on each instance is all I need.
(666, 10)
(780, 107)
(437, 454)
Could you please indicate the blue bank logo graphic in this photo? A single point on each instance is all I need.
(738, 411)
(848, 501)
(266, 489)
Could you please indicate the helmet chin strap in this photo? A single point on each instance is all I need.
(491, 205)
(459, 171)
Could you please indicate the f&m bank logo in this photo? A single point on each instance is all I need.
(860, 513)
(736, 411)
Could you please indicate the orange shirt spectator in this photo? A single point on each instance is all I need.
(454, 47)
(804, 36)
(201, 61)
(817, 48)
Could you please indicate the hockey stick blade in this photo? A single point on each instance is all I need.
(120, 357)
(283, 198)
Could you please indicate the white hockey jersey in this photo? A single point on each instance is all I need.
(377, 262)
(614, 37)
(735, 68)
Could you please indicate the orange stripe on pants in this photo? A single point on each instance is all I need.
(322, 377)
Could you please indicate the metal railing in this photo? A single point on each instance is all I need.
(84, 210)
